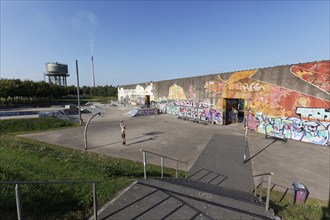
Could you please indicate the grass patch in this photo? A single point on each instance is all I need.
(32, 124)
(23, 159)
(282, 204)
(27, 160)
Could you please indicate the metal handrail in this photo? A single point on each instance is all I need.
(144, 152)
(19, 199)
(261, 184)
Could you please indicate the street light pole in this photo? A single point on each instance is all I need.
(93, 72)
(246, 141)
(85, 131)
(78, 93)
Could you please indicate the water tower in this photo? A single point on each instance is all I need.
(57, 73)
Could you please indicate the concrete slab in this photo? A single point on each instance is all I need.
(183, 140)
(222, 157)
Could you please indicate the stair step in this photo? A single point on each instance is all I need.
(214, 189)
(163, 199)
(227, 200)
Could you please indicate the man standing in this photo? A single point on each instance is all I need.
(123, 134)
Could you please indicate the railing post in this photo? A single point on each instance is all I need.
(268, 192)
(162, 167)
(261, 185)
(95, 201)
(18, 202)
(161, 164)
(176, 171)
(255, 190)
(261, 188)
(144, 164)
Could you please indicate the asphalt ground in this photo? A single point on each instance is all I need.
(184, 140)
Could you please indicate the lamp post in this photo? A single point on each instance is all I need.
(85, 131)
(246, 141)
(93, 72)
(78, 93)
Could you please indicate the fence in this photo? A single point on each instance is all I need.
(19, 197)
(144, 152)
(261, 187)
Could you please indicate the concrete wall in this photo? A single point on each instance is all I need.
(292, 100)
(135, 94)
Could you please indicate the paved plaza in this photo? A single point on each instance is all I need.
(184, 140)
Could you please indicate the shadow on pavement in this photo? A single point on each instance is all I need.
(153, 133)
(117, 142)
(260, 151)
(208, 176)
(145, 134)
(137, 142)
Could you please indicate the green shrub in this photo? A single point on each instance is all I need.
(32, 124)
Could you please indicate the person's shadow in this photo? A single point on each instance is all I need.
(141, 141)
(153, 133)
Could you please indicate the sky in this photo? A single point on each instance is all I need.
(142, 41)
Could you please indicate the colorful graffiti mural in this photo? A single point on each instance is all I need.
(317, 74)
(318, 114)
(176, 92)
(292, 128)
(272, 100)
(194, 110)
(280, 99)
(144, 112)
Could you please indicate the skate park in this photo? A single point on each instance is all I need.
(212, 148)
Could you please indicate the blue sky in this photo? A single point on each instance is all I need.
(143, 41)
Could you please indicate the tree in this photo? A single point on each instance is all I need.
(57, 91)
(43, 90)
(4, 89)
(29, 88)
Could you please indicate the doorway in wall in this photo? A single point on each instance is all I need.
(147, 101)
(234, 111)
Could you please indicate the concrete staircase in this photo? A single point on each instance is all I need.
(183, 199)
(218, 187)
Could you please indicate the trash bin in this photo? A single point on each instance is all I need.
(300, 192)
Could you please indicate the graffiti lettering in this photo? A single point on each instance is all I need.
(188, 103)
(58, 114)
(293, 128)
(214, 116)
(194, 110)
(320, 114)
(252, 87)
(146, 112)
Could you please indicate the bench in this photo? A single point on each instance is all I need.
(276, 135)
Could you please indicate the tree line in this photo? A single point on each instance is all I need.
(16, 90)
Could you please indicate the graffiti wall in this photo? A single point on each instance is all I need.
(290, 99)
(143, 112)
(316, 74)
(311, 131)
(135, 95)
(194, 110)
